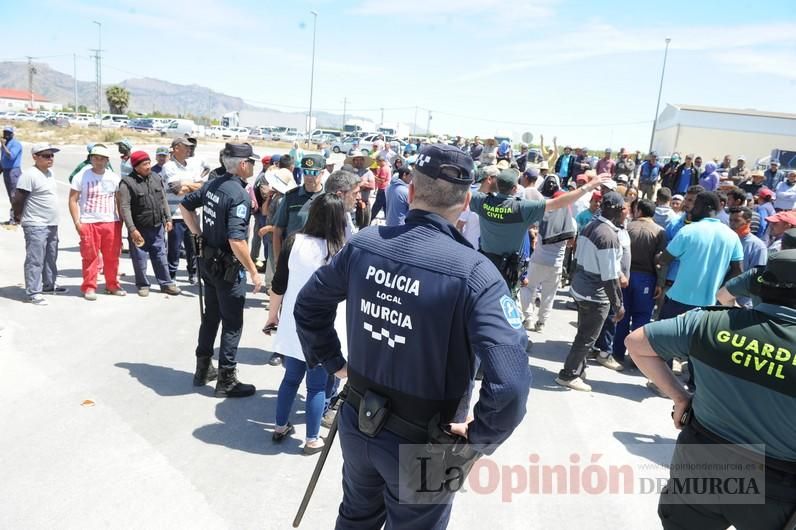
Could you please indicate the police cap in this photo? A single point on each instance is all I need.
(446, 162)
(240, 151)
(313, 164)
(780, 270)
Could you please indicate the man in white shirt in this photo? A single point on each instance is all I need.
(468, 223)
(181, 175)
(35, 207)
(94, 210)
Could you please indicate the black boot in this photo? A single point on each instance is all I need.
(229, 386)
(205, 371)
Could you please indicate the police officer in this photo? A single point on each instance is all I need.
(423, 305)
(505, 219)
(744, 361)
(226, 207)
(291, 213)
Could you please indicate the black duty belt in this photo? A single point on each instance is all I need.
(782, 466)
(394, 423)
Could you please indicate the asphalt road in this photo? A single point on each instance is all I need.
(152, 451)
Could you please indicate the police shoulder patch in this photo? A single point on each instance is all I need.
(511, 312)
(241, 211)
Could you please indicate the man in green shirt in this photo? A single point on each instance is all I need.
(744, 362)
(505, 219)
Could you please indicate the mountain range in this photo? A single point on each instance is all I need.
(146, 95)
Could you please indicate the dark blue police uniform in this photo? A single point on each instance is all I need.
(423, 307)
(226, 209)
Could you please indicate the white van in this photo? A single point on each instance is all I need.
(179, 128)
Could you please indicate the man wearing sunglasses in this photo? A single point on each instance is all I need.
(224, 260)
(35, 207)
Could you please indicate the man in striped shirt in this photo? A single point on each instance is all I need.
(93, 207)
(595, 286)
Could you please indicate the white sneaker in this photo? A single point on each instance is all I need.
(37, 299)
(528, 324)
(574, 384)
(538, 327)
(610, 363)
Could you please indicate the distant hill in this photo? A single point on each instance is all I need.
(146, 95)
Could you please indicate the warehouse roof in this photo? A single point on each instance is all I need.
(738, 112)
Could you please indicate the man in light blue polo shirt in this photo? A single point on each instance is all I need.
(709, 253)
(11, 162)
(397, 195)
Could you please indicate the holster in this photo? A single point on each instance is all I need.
(454, 451)
(221, 265)
(373, 413)
(508, 265)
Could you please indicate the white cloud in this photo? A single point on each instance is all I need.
(776, 63)
(420, 9)
(602, 40)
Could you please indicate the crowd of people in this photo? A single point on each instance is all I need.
(635, 240)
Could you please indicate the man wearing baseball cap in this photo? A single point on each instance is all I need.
(182, 174)
(35, 207)
(504, 219)
(779, 223)
(773, 175)
(11, 163)
(738, 425)
(146, 214)
(94, 210)
(161, 157)
(225, 259)
(431, 269)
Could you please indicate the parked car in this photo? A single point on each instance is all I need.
(277, 132)
(238, 133)
(179, 127)
(290, 135)
(114, 121)
(141, 124)
(55, 121)
(346, 145)
(81, 121)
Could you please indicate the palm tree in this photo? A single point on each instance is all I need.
(118, 99)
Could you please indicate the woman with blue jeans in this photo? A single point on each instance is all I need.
(303, 253)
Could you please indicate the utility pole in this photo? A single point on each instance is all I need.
(97, 79)
(74, 76)
(381, 124)
(414, 123)
(428, 124)
(345, 104)
(31, 71)
(312, 74)
(660, 90)
(99, 74)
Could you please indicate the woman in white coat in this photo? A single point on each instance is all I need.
(303, 253)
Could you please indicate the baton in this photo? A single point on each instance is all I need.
(197, 248)
(316, 473)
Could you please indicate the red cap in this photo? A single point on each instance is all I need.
(137, 157)
(785, 216)
(266, 159)
(765, 193)
(596, 196)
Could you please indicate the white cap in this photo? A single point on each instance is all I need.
(42, 147)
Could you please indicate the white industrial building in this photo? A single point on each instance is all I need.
(714, 132)
(12, 99)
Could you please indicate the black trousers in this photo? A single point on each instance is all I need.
(676, 514)
(224, 303)
(591, 317)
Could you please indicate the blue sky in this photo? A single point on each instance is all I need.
(584, 72)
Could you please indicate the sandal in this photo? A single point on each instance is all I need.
(279, 436)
